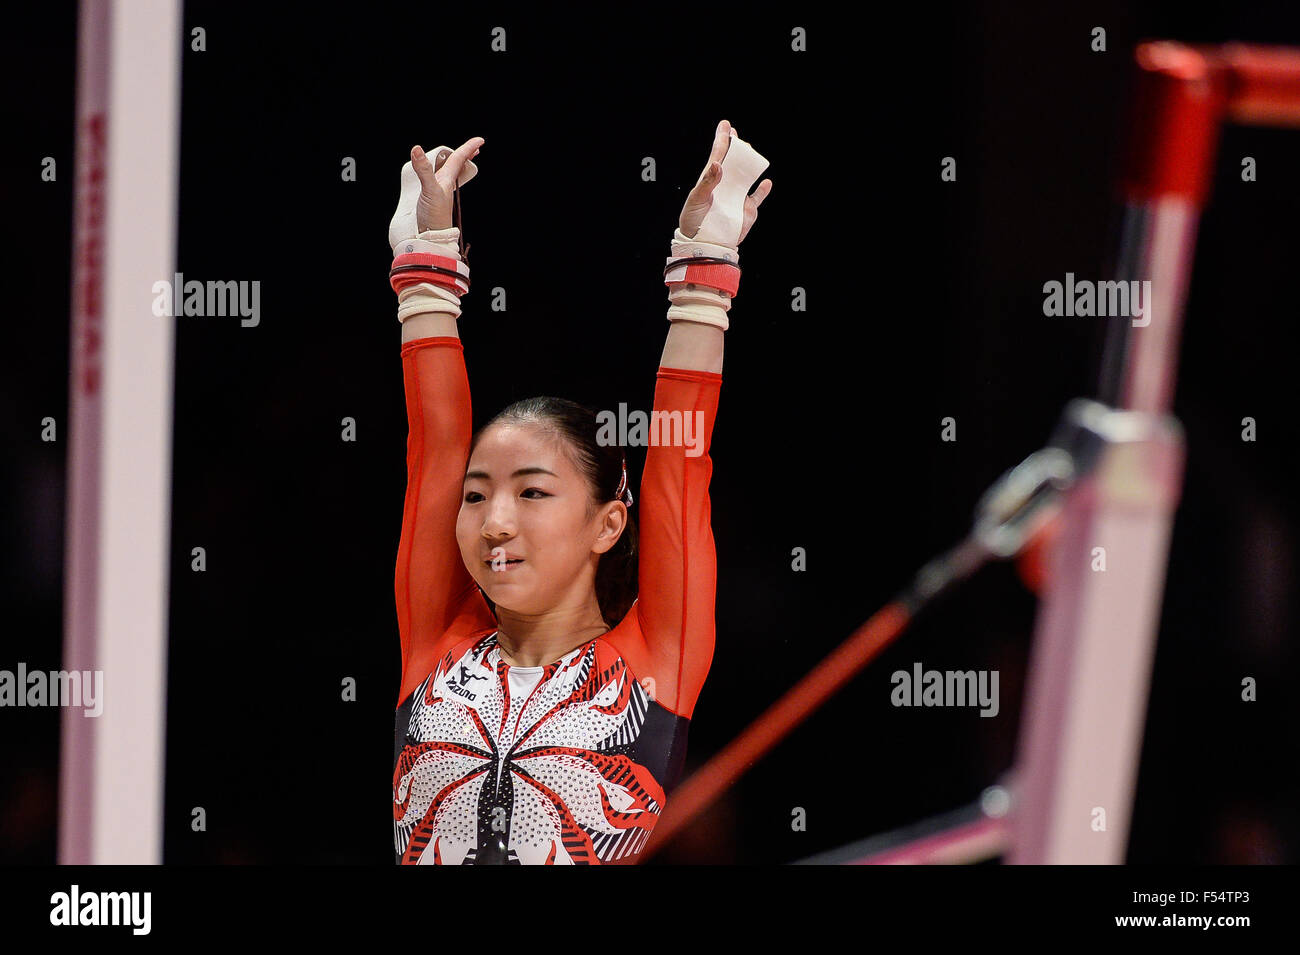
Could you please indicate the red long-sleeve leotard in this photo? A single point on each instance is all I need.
(577, 769)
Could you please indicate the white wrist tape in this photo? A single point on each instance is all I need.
(439, 241)
(403, 224)
(682, 247)
(426, 297)
(697, 303)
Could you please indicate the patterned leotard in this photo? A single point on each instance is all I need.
(567, 763)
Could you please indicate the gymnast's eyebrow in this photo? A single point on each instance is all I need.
(532, 470)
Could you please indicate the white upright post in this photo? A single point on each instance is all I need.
(1095, 637)
(120, 403)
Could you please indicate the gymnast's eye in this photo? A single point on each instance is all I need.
(472, 497)
(538, 490)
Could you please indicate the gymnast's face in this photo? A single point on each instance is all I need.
(524, 496)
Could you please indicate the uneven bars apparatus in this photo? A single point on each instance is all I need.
(1111, 476)
(120, 406)
(1090, 666)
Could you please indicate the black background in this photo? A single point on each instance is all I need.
(924, 301)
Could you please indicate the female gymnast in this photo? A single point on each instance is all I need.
(549, 670)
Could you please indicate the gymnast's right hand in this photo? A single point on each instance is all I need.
(434, 208)
(427, 190)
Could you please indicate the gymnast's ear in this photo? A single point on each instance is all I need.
(613, 522)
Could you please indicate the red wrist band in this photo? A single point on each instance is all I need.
(704, 270)
(411, 268)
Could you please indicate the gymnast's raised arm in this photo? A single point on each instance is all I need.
(429, 275)
(677, 570)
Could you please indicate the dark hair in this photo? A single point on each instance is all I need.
(602, 465)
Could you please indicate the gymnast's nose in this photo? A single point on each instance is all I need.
(499, 523)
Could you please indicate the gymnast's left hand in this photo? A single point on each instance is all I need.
(701, 197)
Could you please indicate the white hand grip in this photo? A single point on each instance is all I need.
(403, 225)
(741, 168)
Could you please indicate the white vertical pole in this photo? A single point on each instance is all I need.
(1095, 637)
(119, 497)
(1094, 643)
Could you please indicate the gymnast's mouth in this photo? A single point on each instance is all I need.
(502, 565)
